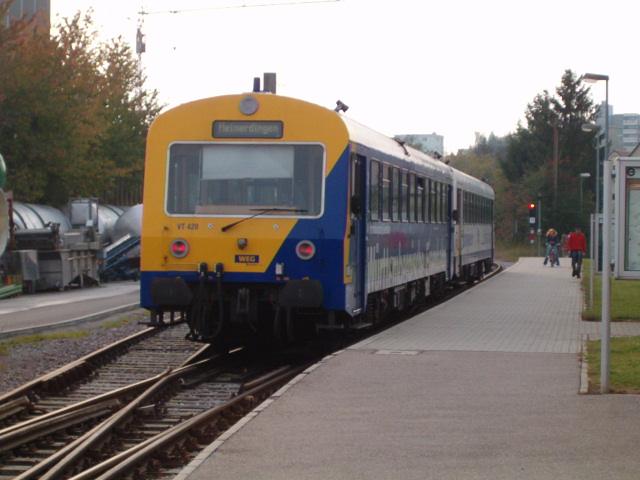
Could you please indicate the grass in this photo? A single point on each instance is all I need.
(7, 345)
(624, 365)
(120, 322)
(510, 252)
(625, 301)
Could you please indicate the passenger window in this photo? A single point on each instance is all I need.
(413, 214)
(436, 202)
(445, 212)
(420, 199)
(386, 192)
(374, 191)
(395, 196)
(404, 196)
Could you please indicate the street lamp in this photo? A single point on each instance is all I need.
(605, 329)
(582, 177)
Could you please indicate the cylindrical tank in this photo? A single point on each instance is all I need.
(30, 215)
(108, 216)
(130, 222)
(4, 208)
(4, 222)
(3, 172)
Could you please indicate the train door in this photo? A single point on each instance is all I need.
(357, 234)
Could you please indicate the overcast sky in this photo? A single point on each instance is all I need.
(452, 67)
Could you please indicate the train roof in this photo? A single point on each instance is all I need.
(472, 184)
(360, 134)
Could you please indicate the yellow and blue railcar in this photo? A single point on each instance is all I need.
(272, 216)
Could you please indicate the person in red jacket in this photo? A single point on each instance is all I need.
(577, 248)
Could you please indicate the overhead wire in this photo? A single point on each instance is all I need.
(228, 7)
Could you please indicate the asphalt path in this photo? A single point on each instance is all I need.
(31, 313)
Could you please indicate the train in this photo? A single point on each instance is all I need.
(274, 218)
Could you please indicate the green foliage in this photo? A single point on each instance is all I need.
(73, 113)
(529, 165)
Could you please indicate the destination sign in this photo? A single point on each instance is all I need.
(247, 258)
(244, 129)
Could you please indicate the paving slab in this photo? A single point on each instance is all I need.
(482, 387)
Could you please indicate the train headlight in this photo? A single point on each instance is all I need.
(179, 248)
(305, 250)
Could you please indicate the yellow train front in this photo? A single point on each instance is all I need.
(246, 216)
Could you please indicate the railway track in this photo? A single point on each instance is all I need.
(144, 413)
(178, 412)
(63, 403)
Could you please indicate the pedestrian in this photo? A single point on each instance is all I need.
(577, 250)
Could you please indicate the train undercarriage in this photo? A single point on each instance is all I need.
(220, 312)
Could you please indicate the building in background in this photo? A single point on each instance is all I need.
(40, 10)
(430, 143)
(624, 129)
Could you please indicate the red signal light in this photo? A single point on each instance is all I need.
(532, 206)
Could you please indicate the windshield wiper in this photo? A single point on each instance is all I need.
(262, 211)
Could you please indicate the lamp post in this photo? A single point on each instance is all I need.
(583, 175)
(593, 78)
(605, 331)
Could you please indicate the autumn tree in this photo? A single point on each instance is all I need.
(73, 112)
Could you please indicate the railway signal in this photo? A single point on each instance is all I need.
(532, 213)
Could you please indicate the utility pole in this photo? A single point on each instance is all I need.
(555, 164)
(539, 222)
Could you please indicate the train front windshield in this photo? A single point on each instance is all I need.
(239, 179)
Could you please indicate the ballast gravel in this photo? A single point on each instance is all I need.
(25, 361)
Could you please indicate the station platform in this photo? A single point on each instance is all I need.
(32, 313)
(484, 386)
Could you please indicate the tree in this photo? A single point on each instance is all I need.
(73, 112)
(529, 161)
(128, 112)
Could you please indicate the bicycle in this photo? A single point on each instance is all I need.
(553, 257)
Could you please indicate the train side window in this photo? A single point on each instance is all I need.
(374, 191)
(412, 197)
(447, 210)
(441, 212)
(484, 209)
(395, 195)
(386, 192)
(404, 196)
(432, 203)
(488, 211)
(420, 203)
(436, 202)
(473, 207)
